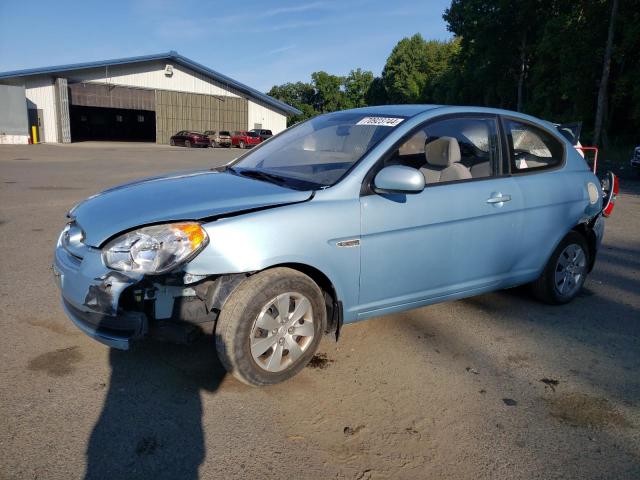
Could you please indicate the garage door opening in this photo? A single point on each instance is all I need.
(98, 123)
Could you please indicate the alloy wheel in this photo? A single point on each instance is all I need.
(282, 332)
(570, 270)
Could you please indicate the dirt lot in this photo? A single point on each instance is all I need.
(496, 386)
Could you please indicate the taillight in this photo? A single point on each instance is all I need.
(611, 186)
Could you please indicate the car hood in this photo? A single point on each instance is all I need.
(193, 195)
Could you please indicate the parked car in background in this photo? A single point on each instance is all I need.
(189, 138)
(264, 134)
(219, 139)
(635, 159)
(347, 216)
(244, 139)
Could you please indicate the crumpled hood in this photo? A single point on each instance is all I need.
(180, 196)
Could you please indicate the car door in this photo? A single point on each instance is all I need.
(456, 237)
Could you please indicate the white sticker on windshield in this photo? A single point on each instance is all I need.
(380, 121)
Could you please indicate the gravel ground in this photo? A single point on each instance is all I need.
(496, 386)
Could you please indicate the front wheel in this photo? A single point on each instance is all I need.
(270, 326)
(187, 143)
(565, 272)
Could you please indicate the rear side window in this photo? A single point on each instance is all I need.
(532, 148)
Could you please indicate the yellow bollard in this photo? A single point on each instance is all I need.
(34, 134)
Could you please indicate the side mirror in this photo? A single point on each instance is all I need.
(399, 179)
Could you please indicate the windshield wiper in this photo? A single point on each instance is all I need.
(261, 175)
(289, 182)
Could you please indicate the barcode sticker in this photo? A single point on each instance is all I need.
(380, 121)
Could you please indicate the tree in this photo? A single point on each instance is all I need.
(377, 93)
(604, 80)
(300, 95)
(498, 39)
(404, 74)
(414, 69)
(329, 96)
(356, 86)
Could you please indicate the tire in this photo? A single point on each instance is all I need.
(240, 338)
(187, 143)
(172, 142)
(242, 145)
(550, 287)
(214, 144)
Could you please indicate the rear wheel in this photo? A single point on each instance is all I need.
(214, 144)
(241, 145)
(565, 272)
(270, 326)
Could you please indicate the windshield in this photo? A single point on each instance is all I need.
(319, 151)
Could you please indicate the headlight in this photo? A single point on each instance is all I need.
(156, 249)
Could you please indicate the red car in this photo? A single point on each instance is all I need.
(189, 138)
(245, 139)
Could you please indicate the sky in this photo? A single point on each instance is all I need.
(259, 43)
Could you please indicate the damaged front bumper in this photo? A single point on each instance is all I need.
(117, 308)
(90, 298)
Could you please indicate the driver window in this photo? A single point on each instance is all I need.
(451, 149)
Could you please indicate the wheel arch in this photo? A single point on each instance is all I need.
(586, 231)
(329, 291)
(590, 237)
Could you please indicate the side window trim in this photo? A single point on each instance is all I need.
(510, 160)
(366, 188)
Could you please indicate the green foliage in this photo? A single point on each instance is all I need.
(329, 95)
(404, 74)
(300, 95)
(542, 56)
(356, 86)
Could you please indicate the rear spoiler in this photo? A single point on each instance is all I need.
(570, 131)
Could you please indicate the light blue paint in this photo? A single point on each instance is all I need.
(443, 243)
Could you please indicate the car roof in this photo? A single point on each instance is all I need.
(412, 110)
(402, 110)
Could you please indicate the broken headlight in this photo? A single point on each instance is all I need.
(156, 249)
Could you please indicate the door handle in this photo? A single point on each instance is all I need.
(498, 198)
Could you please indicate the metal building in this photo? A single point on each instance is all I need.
(146, 98)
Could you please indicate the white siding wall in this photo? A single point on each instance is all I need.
(40, 92)
(270, 119)
(13, 139)
(151, 75)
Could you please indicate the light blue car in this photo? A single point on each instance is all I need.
(346, 216)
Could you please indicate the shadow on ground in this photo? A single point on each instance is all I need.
(151, 421)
